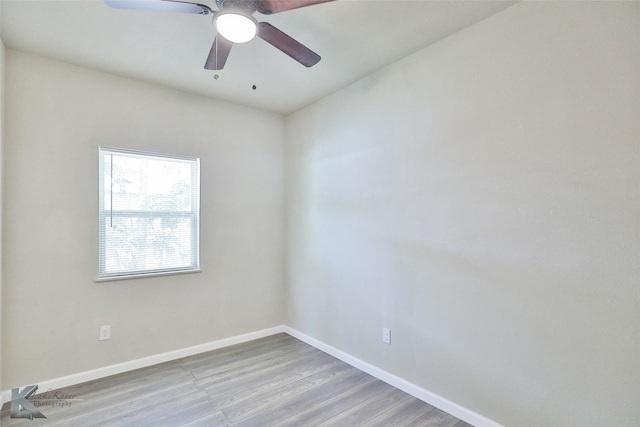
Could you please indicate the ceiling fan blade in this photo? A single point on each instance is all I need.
(267, 7)
(288, 45)
(161, 5)
(218, 54)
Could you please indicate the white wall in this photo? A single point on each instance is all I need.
(481, 198)
(56, 117)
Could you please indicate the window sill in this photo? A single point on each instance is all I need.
(144, 275)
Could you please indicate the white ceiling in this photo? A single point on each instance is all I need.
(354, 38)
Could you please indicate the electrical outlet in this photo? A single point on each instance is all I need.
(386, 335)
(105, 332)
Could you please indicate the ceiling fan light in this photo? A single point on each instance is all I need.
(236, 27)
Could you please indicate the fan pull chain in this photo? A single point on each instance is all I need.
(253, 71)
(215, 35)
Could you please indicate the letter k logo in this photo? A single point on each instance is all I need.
(21, 407)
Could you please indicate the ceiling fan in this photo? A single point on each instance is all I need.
(235, 23)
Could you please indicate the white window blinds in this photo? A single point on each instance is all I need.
(149, 213)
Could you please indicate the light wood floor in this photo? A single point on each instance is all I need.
(273, 381)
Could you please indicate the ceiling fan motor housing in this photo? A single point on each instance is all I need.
(248, 6)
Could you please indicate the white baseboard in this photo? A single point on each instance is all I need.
(433, 399)
(119, 368)
(404, 385)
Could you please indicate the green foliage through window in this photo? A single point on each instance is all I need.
(149, 213)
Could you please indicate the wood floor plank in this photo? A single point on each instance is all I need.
(110, 391)
(273, 381)
(437, 418)
(243, 392)
(401, 414)
(215, 419)
(364, 411)
(272, 414)
(234, 365)
(275, 368)
(253, 372)
(280, 404)
(338, 403)
(121, 410)
(181, 414)
(105, 401)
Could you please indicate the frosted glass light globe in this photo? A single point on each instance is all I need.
(235, 27)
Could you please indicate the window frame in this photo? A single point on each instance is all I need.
(104, 213)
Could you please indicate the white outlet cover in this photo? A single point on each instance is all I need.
(386, 335)
(105, 332)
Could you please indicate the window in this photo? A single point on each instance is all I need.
(149, 213)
